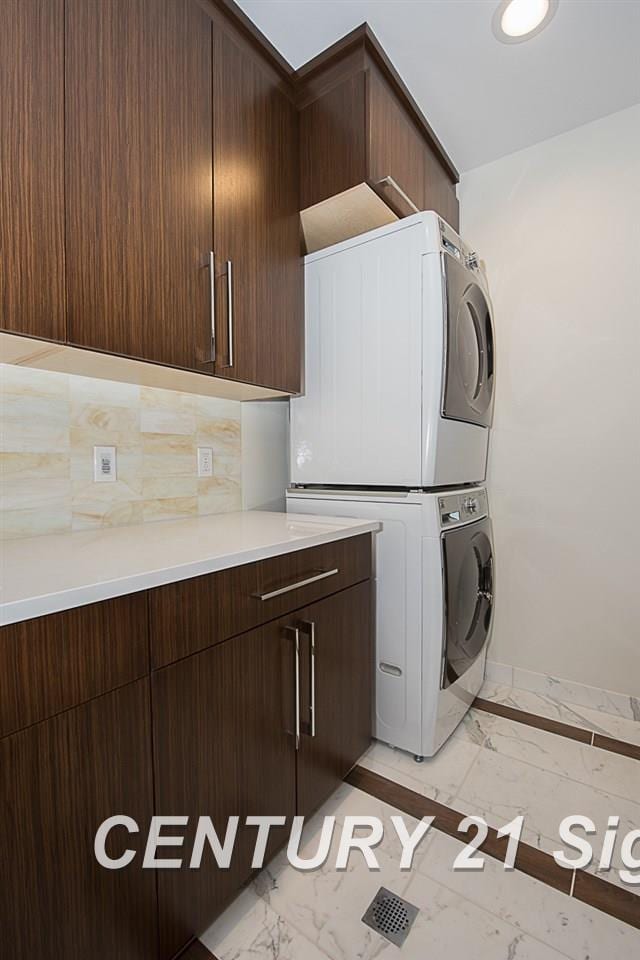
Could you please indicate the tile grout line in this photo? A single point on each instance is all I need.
(481, 747)
(573, 883)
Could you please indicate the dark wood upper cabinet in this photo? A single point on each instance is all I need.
(360, 128)
(334, 120)
(59, 781)
(341, 632)
(138, 178)
(259, 280)
(32, 295)
(396, 147)
(142, 137)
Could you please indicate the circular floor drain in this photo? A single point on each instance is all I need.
(390, 915)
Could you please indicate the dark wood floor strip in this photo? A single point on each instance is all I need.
(598, 893)
(533, 720)
(631, 750)
(616, 901)
(611, 744)
(196, 951)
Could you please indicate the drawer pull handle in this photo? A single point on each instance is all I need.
(296, 586)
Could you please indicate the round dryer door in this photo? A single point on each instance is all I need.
(468, 391)
(468, 570)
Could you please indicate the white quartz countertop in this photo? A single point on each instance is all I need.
(42, 575)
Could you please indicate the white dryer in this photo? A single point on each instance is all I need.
(399, 361)
(434, 604)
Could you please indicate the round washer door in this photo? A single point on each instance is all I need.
(468, 574)
(468, 390)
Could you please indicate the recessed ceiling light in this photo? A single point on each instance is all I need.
(518, 20)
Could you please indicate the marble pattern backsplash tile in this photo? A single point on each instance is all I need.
(50, 423)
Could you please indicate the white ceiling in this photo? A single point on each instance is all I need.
(483, 98)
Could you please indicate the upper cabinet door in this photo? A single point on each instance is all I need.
(367, 154)
(138, 178)
(256, 225)
(31, 160)
(396, 148)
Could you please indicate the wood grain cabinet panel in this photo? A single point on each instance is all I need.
(223, 743)
(344, 662)
(333, 141)
(225, 731)
(225, 740)
(55, 662)
(138, 178)
(439, 192)
(396, 148)
(32, 294)
(360, 125)
(259, 286)
(196, 613)
(59, 780)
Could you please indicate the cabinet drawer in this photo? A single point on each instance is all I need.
(194, 614)
(55, 662)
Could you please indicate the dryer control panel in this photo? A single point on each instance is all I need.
(462, 507)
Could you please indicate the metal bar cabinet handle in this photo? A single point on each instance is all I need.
(230, 310)
(212, 292)
(295, 586)
(310, 627)
(296, 640)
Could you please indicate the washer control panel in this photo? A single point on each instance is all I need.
(462, 507)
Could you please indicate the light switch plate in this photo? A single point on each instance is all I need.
(205, 461)
(104, 464)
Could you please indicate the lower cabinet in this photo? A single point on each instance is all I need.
(58, 781)
(340, 629)
(234, 734)
(266, 721)
(222, 743)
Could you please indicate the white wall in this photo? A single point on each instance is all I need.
(558, 225)
(265, 454)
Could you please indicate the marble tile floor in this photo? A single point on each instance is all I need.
(491, 766)
(545, 705)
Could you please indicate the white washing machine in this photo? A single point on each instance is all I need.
(399, 375)
(434, 604)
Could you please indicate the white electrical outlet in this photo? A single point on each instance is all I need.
(205, 461)
(104, 464)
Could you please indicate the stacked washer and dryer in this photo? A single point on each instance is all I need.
(394, 426)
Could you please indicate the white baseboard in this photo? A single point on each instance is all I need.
(565, 691)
